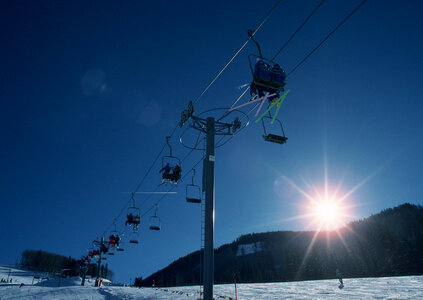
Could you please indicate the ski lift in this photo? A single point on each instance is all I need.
(120, 247)
(104, 249)
(271, 137)
(133, 215)
(193, 192)
(155, 220)
(171, 169)
(114, 238)
(134, 237)
(268, 76)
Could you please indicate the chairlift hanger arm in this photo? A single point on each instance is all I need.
(251, 35)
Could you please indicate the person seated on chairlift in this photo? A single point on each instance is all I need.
(112, 241)
(262, 74)
(136, 221)
(265, 74)
(176, 175)
(166, 173)
(116, 241)
(129, 220)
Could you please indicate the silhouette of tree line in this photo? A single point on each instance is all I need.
(389, 243)
(56, 264)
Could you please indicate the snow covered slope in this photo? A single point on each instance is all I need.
(18, 276)
(409, 287)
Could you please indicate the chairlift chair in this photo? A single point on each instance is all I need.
(116, 234)
(155, 220)
(133, 241)
(271, 137)
(134, 237)
(170, 160)
(193, 191)
(267, 75)
(133, 217)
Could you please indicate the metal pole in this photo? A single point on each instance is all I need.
(84, 274)
(209, 213)
(99, 263)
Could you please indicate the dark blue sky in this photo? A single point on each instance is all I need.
(90, 89)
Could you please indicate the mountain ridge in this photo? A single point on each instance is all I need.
(388, 243)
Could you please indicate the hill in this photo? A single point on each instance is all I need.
(389, 243)
(406, 287)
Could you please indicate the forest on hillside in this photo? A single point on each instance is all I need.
(389, 243)
(59, 265)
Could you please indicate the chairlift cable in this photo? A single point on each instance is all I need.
(326, 38)
(232, 136)
(195, 101)
(239, 50)
(304, 59)
(182, 178)
(298, 29)
(283, 47)
(157, 187)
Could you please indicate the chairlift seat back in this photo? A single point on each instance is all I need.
(133, 242)
(154, 227)
(278, 76)
(262, 72)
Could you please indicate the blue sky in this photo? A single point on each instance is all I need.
(90, 90)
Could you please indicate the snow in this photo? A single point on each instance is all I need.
(245, 249)
(407, 287)
(19, 276)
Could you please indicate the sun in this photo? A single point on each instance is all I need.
(327, 212)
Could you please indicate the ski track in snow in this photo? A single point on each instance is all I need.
(407, 287)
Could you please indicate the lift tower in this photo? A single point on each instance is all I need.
(210, 127)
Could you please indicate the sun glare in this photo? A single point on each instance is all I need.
(327, 213)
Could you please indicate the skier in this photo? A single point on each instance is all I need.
(166, 173)
(116, 242)
(339, 276)
(130, 220)
(176, 175)
(112, 241)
